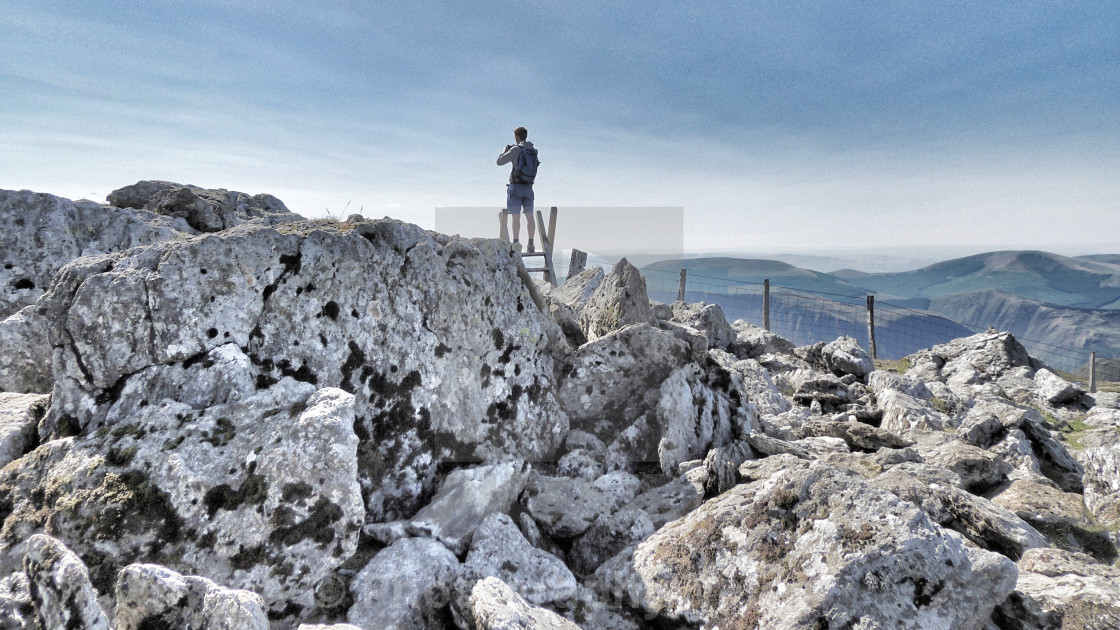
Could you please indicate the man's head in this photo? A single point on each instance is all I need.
(521, 134)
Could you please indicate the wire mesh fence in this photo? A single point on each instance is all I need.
(805, 317)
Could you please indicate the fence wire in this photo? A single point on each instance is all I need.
(805, 317)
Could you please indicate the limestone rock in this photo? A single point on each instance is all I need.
(404, 586)
(858, 436)
(709, 319)
(495, 606)
(903, 413)
(581, 464)
(374, 308)
(499, 550)
(16, 607)
(25, 353)
(466, 497)
(759, 387)
(751, 342)
(674, 499)
(986, 524)
(845, 356)
(967, 364)
(61, 592)
(979, 470)
(880, 381)
(577, 290)
(149, 595)
(1054, 389)
(1060, 589)
(40, 233)
(619, 301)
(1101, 461)
(564, 507)
(1060, 515)
(19, 422)
(809, 546)
(608, 535)
(240, 492)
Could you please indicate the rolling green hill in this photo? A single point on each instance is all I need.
(1090, 282)
(722, 272)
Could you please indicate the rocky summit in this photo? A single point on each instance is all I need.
(215, 413)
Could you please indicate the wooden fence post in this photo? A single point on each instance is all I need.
(766, 304)
(871, 326)
(680, 291)
(1092, 372)
(578, 263)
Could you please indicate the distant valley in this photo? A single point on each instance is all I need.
(1067, 306)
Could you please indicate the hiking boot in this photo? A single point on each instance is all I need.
(530, 249)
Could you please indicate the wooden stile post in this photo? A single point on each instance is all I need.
(503, 231)
(766, 304)
(871, 326)
(684, 280)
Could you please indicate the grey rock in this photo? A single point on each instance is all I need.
(764, 548)
(373, 308)
(19, 422)
(881, 380)
(499, 550)
(495, 606)
(581, 464)
(622, 486)
(25, 353)
(148, 595)
(1060, 515)
(607, 536)
(619, 301)
(1101, 461)
(16, 607)
(967, 365)
(565, 507)
(567, 318)
(674, 499)
(858, 436)
(903, 413)
(759, 387)
(466, 497)
(1054, 389)
(137, 195)
(661, 310)
(845, 356)
(321, 626)
(751, 342)
(709, 319)
(404, 586)
(40, 233)
(235, 492)
(577, 290)
(979, 470)
(1060, 589)
(61, 593)
(986, 524)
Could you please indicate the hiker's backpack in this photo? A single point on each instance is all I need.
(525, 168)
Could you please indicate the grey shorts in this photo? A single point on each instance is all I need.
(518, 197)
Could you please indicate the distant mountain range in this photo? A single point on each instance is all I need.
(1066, 306)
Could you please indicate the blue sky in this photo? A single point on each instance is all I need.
(775, 125)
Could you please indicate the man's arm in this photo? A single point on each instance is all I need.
(509, 155)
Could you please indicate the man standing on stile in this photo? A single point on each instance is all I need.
(519, 194)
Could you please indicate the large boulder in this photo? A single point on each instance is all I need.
(61, 593)
(404, 586)
(499, 550)
(578, 289)
(709, 319)
(376, 309)
(242, 493)
(151, 596)
(970, 364)
(1060, 589)
(810, 546)
(203, 209)
(495, 606)
(40, 233)
(620, 300)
